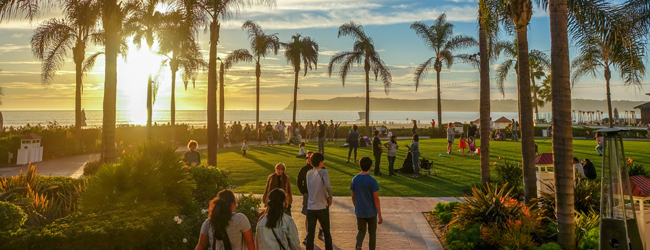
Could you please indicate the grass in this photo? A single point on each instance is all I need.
(455, 172)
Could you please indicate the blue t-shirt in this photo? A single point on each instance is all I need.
(363, 186)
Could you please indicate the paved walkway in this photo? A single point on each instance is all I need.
(404, 227)
(72, 166)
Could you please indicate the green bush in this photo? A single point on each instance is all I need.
(518, 234)
(443, 211)
(91, 167)
(586, 194)
(487, 205)
(12, 216)
(511, 173)
(590, 240)
(209, 181)
(144, 226)
(635, 169)
(585, 222)
(153, 172)
(465, 239)
(249, 205)
(549, 246)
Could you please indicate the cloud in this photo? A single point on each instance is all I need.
(10, 47)
(328, 52)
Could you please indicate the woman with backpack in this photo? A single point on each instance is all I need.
(224, 229)
(275, 229)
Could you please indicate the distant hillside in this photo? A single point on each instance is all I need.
(388, 104)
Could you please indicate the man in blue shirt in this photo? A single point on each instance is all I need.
(365, 197)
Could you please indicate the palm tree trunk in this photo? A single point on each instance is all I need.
(562, 130)
(212, 94)
(526, 118)
(222, 104)
(149, 106)
(367, 69)
(484, 106)
(258, 72)
(174, 66)
(535, 101)
(608, 76)
(77, 97)
(111, 25)
(439, 100)
(295, 99)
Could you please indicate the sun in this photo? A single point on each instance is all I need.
(132, 80)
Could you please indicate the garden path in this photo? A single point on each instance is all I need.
(404, 227)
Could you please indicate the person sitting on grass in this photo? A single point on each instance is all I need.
(275, 229)
(192, 157)
(244, 147)
(225, 229)
(301, 153)
(590, 170)
(279, 180)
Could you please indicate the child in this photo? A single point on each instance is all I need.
(462, 143)
(302, 154)
(244, 147)
(472, 146)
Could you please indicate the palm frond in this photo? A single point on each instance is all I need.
(502, 74)
(89, 63)
(346, 61)
(447, 58)
(424, 32)
(51, 44)
(379, 67)
(460, 42)
(240, 55)
(421, 71)
(352, 29)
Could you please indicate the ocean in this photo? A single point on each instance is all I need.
(199, 117)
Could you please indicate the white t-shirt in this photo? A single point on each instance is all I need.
(302, 151)
(392, 148)
(579, 168)
(244, 147)
(236, 227)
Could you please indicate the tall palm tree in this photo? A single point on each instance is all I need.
(597, 54)
(177, 43)
(538, 62)
(363, 51)
(144, 24)
(440, 38)
(55, 38)
(240, 55)
(210, 13)
(300, 50)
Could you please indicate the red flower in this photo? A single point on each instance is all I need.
(495, 163)
(629, 160)
(499, 157)
(186, 167)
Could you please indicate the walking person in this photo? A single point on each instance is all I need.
(471, 131)
(269, 134)
(192, 157)
(320, 199)
(244, 147)
(308, 131)
(275, 229)
(450, 136)
(353, 142)
(260, 135)
(601, 144)
(367, 208)
(330, 130)
(462, 143)
(301, 182)
(322, 135)
(377, 150)
(225, 229)
(279, 179)
(415, 127)
(514, 130)
(415, 153)
(247, 132)
(336, 133)
(391, 145)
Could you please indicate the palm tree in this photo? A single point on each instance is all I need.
(300, 50)
(144, 23)
(240, 55)
(538, 62)
(210, 12)
(597, 54)
(363, 50)
(440, 38)
(54, 39)
(177, 43)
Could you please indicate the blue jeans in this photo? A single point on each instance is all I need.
(416, 167)
(353, 147)
(600, 148)
(391, 162)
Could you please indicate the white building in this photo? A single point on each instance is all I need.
(30, 149)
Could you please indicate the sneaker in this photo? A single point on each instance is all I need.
(321, 234)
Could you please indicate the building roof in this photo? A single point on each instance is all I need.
(643, 106)
(640, 185)
(503, 119)
(31, 136)
(544, 158)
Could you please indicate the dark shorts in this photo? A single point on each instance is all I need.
(305, 198)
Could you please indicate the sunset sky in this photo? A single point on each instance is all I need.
(386, 21)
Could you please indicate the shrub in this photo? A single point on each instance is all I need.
(586, 196)
(514, 234)
(487, 205)
(12, 216)
(590, 240)
(249, 205)
(585, 222)
(144, 226)
(465, 239)
(635, 169)
(550, 246)
(153, 173)
(512, 174)
(91, 167)
(443, 211)
(209, 181)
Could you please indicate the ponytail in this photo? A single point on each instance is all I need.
(220, 214)
(275, 208)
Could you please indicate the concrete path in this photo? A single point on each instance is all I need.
(404, 227)
(72, 166)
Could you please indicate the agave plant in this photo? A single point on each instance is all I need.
(586, 195)
(487, 205)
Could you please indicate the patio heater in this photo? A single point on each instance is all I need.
(618, 224)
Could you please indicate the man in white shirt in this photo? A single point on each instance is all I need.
(320, 199)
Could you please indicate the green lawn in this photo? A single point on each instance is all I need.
(455, 173)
